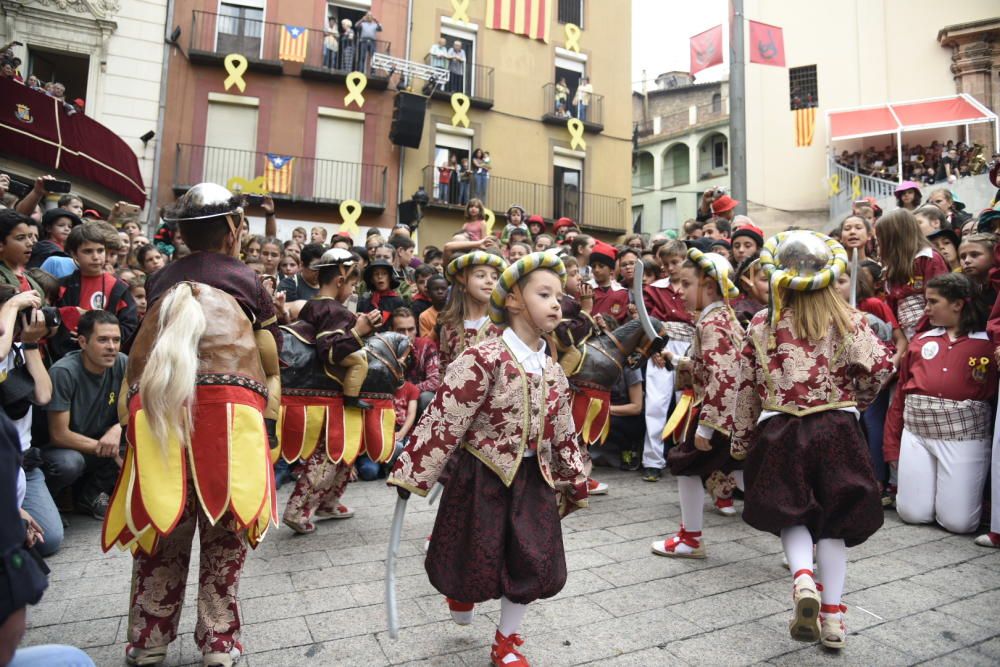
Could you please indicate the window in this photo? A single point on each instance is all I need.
(571, 11)
(468, 40)
(567, 187)
(642, 176)
(447, 144)
(713, 156)
(637, 218)
(668, 214)
(339, 141)
(803, 88)
(719, 153)
(717, 103)
(676, 166)
(231, 141)
(69, 69)
(240, 28)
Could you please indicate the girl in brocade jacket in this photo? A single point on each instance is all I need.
(503, 415)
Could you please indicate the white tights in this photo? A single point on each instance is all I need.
(511, 616)
(692, 498)
(831, 558)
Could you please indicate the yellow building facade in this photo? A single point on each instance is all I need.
(519, 114)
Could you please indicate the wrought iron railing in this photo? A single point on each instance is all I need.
(842, 191)
(477, 82)
(590, 210)
(348, 57)
(300, 179)
(558, 108)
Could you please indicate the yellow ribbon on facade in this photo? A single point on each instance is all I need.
(490, 218)
(573, 34)
(350, 212)
(239, 185)
(575, 127)
(356, 82)
(461, 11)
(460, 103)
(856, 187)
(236, 64)
(835, 185)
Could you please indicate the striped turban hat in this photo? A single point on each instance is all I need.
(513, 274)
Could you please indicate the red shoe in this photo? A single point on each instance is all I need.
(684, 544)
(461, 612)
(724, 506)
(339, 512)
(990, 539)
(596, 488)
(505, 646)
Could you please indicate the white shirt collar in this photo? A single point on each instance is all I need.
(476, 323)
(924, 252)
(532, 361)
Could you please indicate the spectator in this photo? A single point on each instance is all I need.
(930, 218)
(270, 256)
(610, 298)
(717, 228)
(331, 44)
(381, 279)
(561, 95)
(299, 235)
(439, 55)
(516, 250)
(289, 265)
(536, 226)
(317, 235)
(347, 41)
(580, 248)
(15, 250)
(434, 257)
(151, 260)
(474, 226)
(91, 288)
(693, 229)
(368, 27)
(404, 249)
(628, 428)
(71, 203)
(424, 369)
(456, 68)
(581, 99)
(464, 177)
(420, 301)
(544, 242)
(946, 242)
(746, 242)
(83, 415)
(137, 288)
(908, 195)
(627, 258)
(56, 226)
(954, 209)
(635, 242)
(437, 292)
(342, 241)
(481, 172)
(446, 171)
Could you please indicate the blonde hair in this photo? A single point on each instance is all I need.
(899, 241)
(814, 313)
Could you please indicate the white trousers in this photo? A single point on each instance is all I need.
(995, 479)
(942, 480)
(659, 390)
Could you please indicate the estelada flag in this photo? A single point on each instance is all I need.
(767, 47)
(278, 174)
(293, 43)
(706, 49)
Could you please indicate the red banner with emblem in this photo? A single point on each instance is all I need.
(706, 49)
(767, 46)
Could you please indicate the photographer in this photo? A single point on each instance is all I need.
(715, 202)
(26, 383)
(83, 415)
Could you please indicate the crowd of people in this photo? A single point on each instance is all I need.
(938, 163)
(348, 46)
(10, 68)
(860, 340)
(460, 180)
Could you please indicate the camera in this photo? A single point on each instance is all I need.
(51, 314)
(255, 200)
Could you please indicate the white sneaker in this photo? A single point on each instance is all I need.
(461, 612)
(990, 540)
(683, 544)
(222, 659)
(595, 488)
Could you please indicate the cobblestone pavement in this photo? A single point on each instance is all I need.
(915, 594)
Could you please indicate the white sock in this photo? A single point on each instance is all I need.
(692, 498)
(831, 558)
(738, 476)
(511, 615)
(798, 544)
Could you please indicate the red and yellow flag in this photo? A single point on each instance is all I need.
(293, 43)
(278, 174)
(805, 126)
(530, 18)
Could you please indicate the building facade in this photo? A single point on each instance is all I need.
(849, 54)
(108, 54)
(681, 149)
(294, 130)
(519, 113)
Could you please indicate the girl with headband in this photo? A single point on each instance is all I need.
(702, 453)
(502, 414)
(464, 320)
(806, 368)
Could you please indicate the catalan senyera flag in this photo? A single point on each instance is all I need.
(530, 18)
(293, 43)
(805, 126)
(278, 174)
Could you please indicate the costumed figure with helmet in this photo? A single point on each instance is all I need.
(199, 408)
(503, 414)
(807, 366)
(702, 422)
(464, 320)
(340, 376)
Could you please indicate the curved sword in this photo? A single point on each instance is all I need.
(656, 341)
(392, 611)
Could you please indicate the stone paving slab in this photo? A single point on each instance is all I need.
(916, 594)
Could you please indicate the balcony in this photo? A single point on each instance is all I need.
(683, 121)
(214, 36)
(478, 86)
(332, 66)
(592, 211)
(592, 115)
(307, 180)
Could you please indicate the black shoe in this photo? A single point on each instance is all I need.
(355, 402)
(651, 474)
(630, 461)
(96, 508)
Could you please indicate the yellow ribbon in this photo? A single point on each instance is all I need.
(461, 13)
(856, 187)
(489, 217)
(575, 128)
(350, 211)
(460, 103)
(835, 185)
(573, 34)
(356, 82)
(239, 185)
(236, 65)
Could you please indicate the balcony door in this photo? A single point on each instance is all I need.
(240, 28)
(337, 174)
(230, 142)
(567, 187)
(468, 40)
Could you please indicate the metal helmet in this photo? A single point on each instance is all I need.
(204, 201)
(803, 253)
(334, 257)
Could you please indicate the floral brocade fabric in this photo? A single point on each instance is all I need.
(715, 365)
(489, 405)
(452, 342)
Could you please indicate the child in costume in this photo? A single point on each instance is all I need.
(381, 279)
(340, 337)
(465, 320)
(806, 368)
(503, 414)
(703, 449)
(947, 371)
(610, 299)
(909, 263)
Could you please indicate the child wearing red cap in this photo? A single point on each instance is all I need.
(610, 298)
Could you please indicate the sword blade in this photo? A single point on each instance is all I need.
(854, 278)
(395, 534)
(640, 304)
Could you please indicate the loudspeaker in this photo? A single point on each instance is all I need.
(407, 119)
(408, 212)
